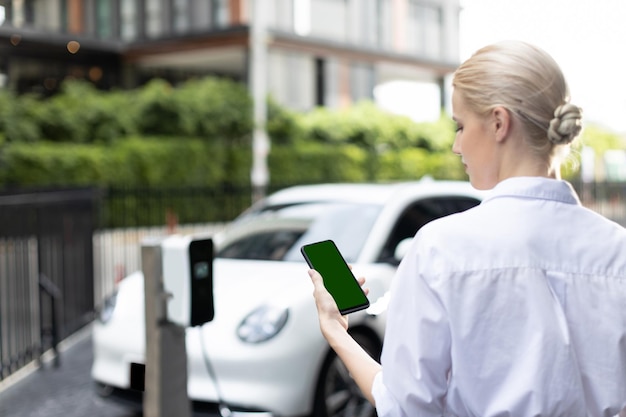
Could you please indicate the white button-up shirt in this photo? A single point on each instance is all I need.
(516, 307)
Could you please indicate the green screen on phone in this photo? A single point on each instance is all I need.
(326, 259)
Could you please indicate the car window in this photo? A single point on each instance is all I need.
(348, 225)
(264, 245)
(417, 215)
(278, 234)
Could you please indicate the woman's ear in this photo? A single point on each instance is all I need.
(501, 123)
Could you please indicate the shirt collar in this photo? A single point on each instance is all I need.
(535, 187)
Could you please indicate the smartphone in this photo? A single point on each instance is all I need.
(339, 280)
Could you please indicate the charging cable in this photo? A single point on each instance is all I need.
(223, 408)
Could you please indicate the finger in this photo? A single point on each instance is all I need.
(315, 277)
(318, 283)
(323, 300)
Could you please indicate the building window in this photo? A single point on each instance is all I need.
(20, 12)
(154, 25)
(374, 25)
(64, 16)
(301, 17)
(329, 19)
(180, 16)
(29, 12)
(362, 82)
(291, 79)
(219, 13)
(103, 19)
(424, 29)
(320, 82)
(200, 16)
(332, 95)
(128, 20)
(281, 14)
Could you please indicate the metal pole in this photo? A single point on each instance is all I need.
(258, 80)
(166, 356)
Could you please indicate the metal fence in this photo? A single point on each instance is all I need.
(61, 253)
(117, 252)
(127, 216)
(149, 207)
(46, 271)
(606, 198)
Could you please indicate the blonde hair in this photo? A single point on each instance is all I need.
(529, 83)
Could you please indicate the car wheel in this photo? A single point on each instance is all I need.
(337, 395)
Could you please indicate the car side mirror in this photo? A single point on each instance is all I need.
(402, 248)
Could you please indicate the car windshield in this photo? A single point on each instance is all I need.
(277, 233)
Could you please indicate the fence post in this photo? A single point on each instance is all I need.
(49, 288)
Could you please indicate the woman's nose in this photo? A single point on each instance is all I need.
(456, 147)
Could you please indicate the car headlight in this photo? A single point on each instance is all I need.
(262, 324)
(106, 312)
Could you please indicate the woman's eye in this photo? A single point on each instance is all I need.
(459, 128)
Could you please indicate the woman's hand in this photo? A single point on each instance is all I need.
(330, 318)
(334, 327)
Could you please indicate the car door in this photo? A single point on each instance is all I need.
(416, 215)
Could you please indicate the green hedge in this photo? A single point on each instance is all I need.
(198, 134)
(210, 108)
(314, 162)
(415, 163)
(134, 162)
(322, 163)
(368, 126)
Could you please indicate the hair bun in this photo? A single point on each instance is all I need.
(566, 124)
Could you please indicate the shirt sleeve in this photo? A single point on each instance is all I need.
(416, 351)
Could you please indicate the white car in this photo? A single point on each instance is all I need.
(263, 351)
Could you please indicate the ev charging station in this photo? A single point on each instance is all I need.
(178, 290)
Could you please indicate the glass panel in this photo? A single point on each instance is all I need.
(291, 78)
(331, 83)
(432, 31)
(302, 17)
(64, 11)
(279, 233)
(154, 26)
(103, 19)
(201, 14)
(329, 19)
(128, 20)
(362, 82)
(180, 10)
(424, 29)
(418, 214)
(219, 13)
(284, 15)
(385, 23)
(369, 29)
(268, 246)
(29, 12)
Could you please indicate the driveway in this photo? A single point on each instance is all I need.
(64, 391)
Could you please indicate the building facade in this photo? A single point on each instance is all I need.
(318, 52)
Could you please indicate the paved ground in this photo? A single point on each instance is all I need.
(64, 391)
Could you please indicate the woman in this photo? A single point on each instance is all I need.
(517, 306)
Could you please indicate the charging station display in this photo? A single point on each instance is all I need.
(188, 278)
(201, 260)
